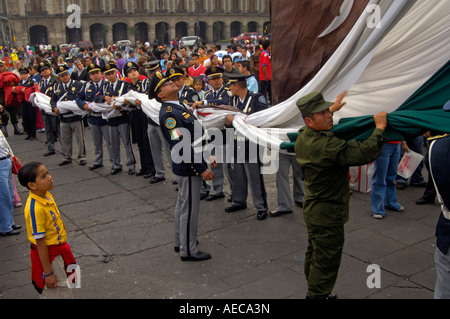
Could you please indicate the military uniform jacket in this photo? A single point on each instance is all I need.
(325, 160)
(439, 158)
(221, 97)
(61, 94)
(89, 94)
(141, 87)
(252, 103)
(48, 87)
(173, 118)
(121, 88)
(188, 95)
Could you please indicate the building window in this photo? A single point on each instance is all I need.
(162, 5)
(140, 5)
(181, 7)
(252, 6)
(218, 5)
(235, 6)
(119, 6)
(36, 7)
(96, 6)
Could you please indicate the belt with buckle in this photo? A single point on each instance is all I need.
(6, 157)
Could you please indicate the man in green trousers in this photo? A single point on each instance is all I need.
(325, 161)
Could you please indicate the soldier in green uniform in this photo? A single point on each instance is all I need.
(325, 160)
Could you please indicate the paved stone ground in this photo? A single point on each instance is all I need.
(120, 230)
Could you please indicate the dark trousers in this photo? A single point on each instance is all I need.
(323, 259)
(29, 118)
(139, 122)
(265, 88)
(12, 110)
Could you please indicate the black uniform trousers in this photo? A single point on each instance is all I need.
(139, 122)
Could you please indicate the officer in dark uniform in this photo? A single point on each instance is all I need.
(186, 94)
(71, 123)
(178, 123)
(439, 159)
(98, 126)
(246, 156)
(218, 95)
(51, 123)
(119, 125)
(139, 122)
(27, 109)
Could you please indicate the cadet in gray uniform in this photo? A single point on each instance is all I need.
(218, 95)
(286, 160)
(119, 126)
(176, 120)
(247, 166)
(51, 123)
(97, 125)
(158, 144)
(71, 124)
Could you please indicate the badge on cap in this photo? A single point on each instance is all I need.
(130, 64)
(159, 75)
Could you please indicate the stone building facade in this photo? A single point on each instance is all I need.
(107, 21)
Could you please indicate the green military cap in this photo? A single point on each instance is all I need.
(313, 103)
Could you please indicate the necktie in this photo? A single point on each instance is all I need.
(214, 95)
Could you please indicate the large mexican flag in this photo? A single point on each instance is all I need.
(390, 55)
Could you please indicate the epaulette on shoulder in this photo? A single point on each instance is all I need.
(437, 137)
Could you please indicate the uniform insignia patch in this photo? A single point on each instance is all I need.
(186, 115)
(171, 123)
(175, 134)
(169, 109)
(262, 99)
(195, 98)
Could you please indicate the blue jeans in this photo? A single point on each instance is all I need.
(6, 196)
(383, 182)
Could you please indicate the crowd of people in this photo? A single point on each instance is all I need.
(183, 79)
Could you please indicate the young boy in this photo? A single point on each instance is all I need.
(50, 253)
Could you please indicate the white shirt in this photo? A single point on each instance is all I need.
(4, 150)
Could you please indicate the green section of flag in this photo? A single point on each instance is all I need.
(422, 112)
